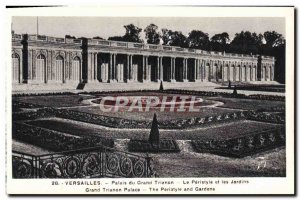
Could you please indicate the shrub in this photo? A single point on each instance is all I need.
(165, 145)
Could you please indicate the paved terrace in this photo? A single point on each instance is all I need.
(196, 86)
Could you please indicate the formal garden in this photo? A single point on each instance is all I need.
(236, 127)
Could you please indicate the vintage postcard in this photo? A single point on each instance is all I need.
(150, 100)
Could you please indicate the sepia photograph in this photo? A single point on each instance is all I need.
(150, 99)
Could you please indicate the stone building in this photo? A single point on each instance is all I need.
(43, 60)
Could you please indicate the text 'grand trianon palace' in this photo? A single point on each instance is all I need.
(41, 62)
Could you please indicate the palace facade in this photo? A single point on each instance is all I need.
(38, 59)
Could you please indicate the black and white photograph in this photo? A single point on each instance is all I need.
(153, 101)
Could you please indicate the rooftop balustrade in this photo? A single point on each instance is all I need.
(132, 45)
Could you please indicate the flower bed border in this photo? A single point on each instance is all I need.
(55, 140)
(240, 147)
(145, 146)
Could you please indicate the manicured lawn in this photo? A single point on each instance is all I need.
(55, 100)
(247, 104)
(214, 132)
(24, 147)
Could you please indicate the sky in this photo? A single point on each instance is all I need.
(113, 26)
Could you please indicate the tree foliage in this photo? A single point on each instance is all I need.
(152, 35)
(273, 39)
(177, 39)
(198, 40)
(246, 42)
(132, 33)
(70, 37)
(98, 37)
(269, 43)
(166, 36)
(221, 38)
(219, 42)
(116, 38)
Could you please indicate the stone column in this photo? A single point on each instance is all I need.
(68, 66)
(33, 65)
(229, 72)
(196, 70)
(131, 68)
(174, 68)
(143, 69)
(21, 78)
(246, 73)
(89, 70)
(127, 68)
(161, 72)
(241, 73)
(157, 69)
(201, 69)
(114, 66)
(250, 72)
(172, 75)
(147, 69)
(110, 69)
(223, 72)
(96, 68)
(217, 70)
(185, 79)
(272, 73)
(234, 72)
(204, 75)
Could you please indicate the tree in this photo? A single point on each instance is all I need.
(178, 39)
(132, 33)
(198, 40)
(166, 36)
(152, 36)
(273, 39)
(221, 38)
(174, 38)
(116, 38)
(246, 42)
(154, 133)
(161, 87)
(219, 42)
(97, 37)
(275, 46)
(70, 37)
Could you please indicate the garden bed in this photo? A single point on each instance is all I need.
(164, 146)
(54, 140)
(242, 146)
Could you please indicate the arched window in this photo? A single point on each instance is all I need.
(59, 66)
(74, 72)
(39, 72)
(41, 56)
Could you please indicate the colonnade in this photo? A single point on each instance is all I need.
(114, 67)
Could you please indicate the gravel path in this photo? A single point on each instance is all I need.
(188, 163)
